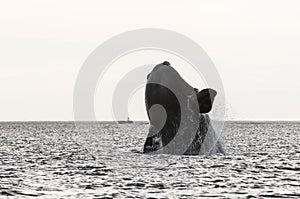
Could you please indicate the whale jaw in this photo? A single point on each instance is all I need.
(153, 143)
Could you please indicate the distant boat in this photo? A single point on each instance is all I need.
(125, 122)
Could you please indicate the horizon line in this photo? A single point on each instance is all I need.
(231, 120)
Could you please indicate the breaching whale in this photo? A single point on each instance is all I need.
(179, 123)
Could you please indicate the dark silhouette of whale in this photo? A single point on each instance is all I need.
(166, 88)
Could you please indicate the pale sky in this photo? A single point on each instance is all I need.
(254, 44)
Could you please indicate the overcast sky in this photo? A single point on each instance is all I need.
(255, 46)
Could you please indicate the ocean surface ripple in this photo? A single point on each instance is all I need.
(104, 160)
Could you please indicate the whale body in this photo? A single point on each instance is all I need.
(184, 114)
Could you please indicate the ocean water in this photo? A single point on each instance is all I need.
(104, 160)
